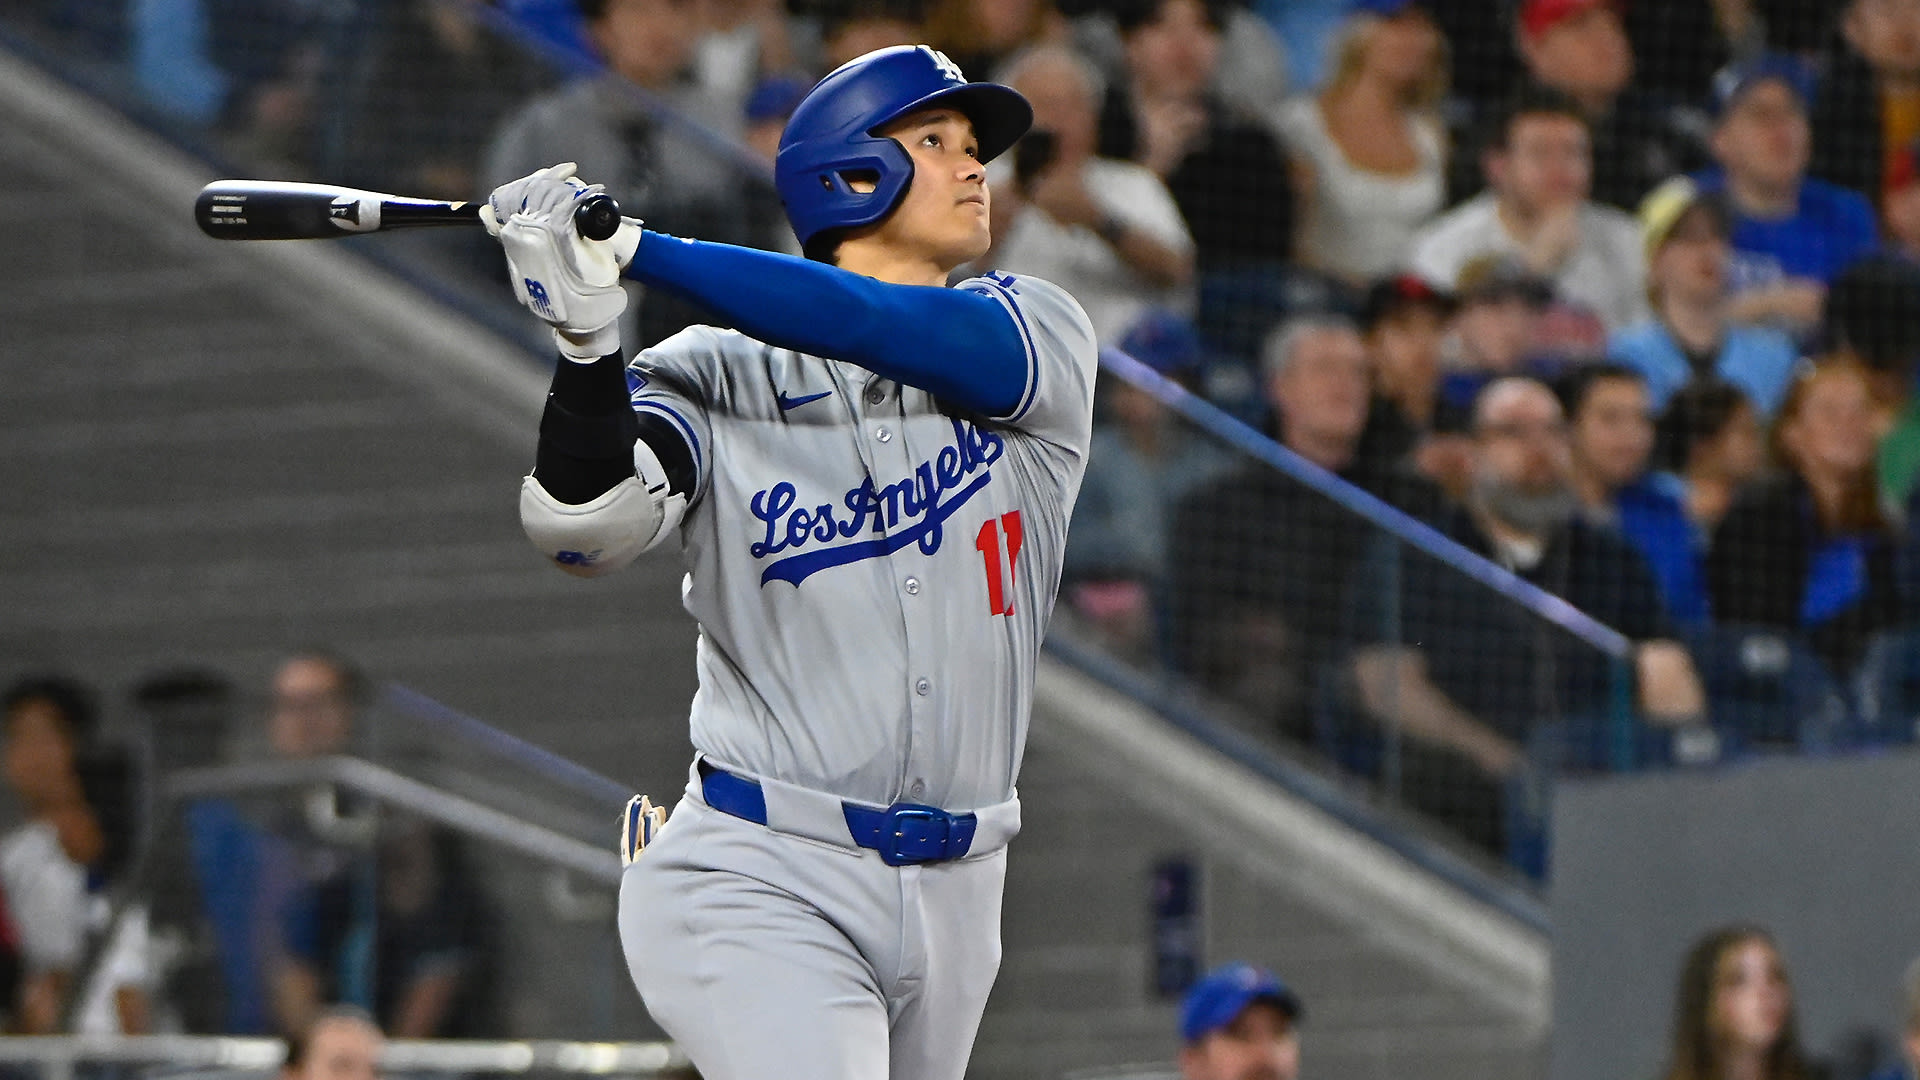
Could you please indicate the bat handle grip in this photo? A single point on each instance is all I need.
(597, 217)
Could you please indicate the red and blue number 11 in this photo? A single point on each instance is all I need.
(999, 571)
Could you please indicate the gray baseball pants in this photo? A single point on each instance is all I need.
(772, 956)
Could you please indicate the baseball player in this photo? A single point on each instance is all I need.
(870, 481)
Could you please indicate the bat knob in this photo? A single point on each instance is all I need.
(597, 217)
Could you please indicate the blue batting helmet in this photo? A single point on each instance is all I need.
(830, 137)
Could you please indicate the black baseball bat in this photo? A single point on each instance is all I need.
(287, 210)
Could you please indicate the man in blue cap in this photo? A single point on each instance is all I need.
(1238, 1024)
(1792, 235)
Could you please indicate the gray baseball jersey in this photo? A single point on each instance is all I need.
(873, 574)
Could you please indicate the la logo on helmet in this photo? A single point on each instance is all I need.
(946, 65)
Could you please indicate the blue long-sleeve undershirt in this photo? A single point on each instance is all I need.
(960, 346)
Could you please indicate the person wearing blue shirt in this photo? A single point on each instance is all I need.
(1812, 550)
(1611, 428)
(1792, 235)
(1692, 334)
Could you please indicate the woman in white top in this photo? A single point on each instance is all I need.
(1369, 147)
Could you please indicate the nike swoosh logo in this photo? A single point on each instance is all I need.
(788, 404)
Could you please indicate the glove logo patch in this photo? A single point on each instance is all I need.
(537, 297)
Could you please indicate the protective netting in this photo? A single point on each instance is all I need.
(1610, 309)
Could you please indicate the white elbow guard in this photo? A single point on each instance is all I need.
(599, 537)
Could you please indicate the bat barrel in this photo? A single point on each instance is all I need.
(285, 210)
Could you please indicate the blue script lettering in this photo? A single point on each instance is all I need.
(915, 500)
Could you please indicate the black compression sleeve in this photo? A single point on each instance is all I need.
(587, 431)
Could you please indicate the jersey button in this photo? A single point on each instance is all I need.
(913, 586)
(917, 789)
(883, 434)
(923, 688)
(876, 395)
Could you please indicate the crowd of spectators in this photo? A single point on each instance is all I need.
(124, 913)
(1733, 1006)
(1618, 295)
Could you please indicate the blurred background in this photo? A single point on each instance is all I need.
(1490, 606)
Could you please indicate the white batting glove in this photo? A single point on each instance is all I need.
(570, 282)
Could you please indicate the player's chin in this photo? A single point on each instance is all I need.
(970, 241)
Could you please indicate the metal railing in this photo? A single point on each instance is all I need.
(57, 1056)
(385, 786)
(1418, 534)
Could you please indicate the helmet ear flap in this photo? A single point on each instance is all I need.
(834, 199)
(854, 182)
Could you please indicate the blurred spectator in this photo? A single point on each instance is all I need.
(247, 68)
(1252, 73)
(418, 103)
(1250, 77)
(1679, 44)
(1580, 48)
(1870, 317)
(432, 937)
(1907, 1067)
(1406, 322)
(1307, 30)
(767, 109)
(112, 991)
(766, 112)
(1370, 146)
(1503, 326)
(1801, 27)
(342, 1043)
(1869, 108)
(1104, 229)
(49, 721)
(1713, 445)
(1900, 210)
(1536, 209)
(1811, 550)
(1469, 679)
(1228, 175)
(1497, 329)
(317, 698)
(1791, 235)
(1733, 1015)
(741, 42)
(185, 718)
(1143, 462)
(980, 35)
(626, 129)
(1610, 421)
(83, 940)
(1240, 1022)
(1693, 333)
(852, 28)
(1257, 559)
(404, 932)
(1486, 65)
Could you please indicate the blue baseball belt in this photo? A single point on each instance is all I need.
(904, 834)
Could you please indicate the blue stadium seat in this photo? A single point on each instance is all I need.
(1767, 691)
(1887, 690)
